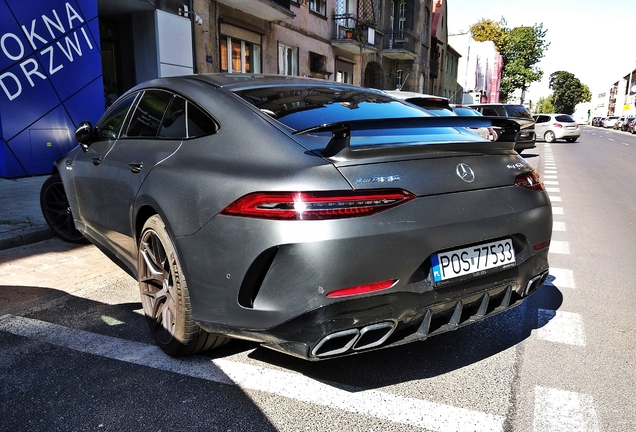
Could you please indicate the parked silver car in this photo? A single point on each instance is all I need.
(551, 127)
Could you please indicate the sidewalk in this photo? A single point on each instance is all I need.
(21, 220)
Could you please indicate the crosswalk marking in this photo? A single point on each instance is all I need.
(563, 411)
(387, 406)
(559, 247)
(557, 210)
(560, 327)
(561, 278)
(558, 226)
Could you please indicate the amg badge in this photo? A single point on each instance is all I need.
(379, 179)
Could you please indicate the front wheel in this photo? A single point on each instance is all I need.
(57, 211)
(570, 140)
(165, 297)
(549, 137)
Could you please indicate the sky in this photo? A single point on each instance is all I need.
(593, 39)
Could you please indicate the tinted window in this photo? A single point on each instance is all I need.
(564, 119)
(305, 107)
(463, 111)
(110, 124)
(438, 107)
(518, 111)
(490, 112)
(147, 117)
(199, 123)
(543, 119)
(174, 122)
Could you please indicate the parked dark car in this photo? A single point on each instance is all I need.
(526, 139)
(319, 219)
(626, 124)
(632, 126)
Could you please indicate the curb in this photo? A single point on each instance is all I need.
(25, 236)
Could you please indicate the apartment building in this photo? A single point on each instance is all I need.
(65, 61)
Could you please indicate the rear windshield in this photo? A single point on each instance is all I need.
(518, 111)
(303, 107)
(564, 119)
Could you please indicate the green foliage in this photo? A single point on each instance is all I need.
(568, 91)
(521, 48)
(544, 105)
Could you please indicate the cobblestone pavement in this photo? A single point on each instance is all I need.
(36, 273)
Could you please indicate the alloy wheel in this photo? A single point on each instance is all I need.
(156, 280)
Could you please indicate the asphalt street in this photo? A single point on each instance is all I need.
(77, 355)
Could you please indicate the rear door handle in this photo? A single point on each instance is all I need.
(135, 167)
(96, 160)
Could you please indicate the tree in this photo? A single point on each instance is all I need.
(568, 92)
(545, 105)
(521, 48)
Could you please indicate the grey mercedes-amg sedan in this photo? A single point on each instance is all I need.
(319, 219)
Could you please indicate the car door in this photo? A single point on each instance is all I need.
(541, 125)
(155, 131)
(87, 166)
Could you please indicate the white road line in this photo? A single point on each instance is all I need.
(557, 210)
(551, 182)
(560, 327)
(563, 411)
(553, 190)
(555, 198)
(551, 176)
(559, 247)
(549, 172)
(561, 278)
(409, 411)
(558, 226)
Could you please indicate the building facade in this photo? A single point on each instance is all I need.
(112, 46)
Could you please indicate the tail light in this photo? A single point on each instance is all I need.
(559, 125)
(316, 205)
(362, 289)
(530, 180)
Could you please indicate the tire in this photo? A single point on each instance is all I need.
(165, 297)
(549, 137)
(57, 211)
(570, 140)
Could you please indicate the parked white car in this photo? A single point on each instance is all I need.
(610, 122)
(551, 127)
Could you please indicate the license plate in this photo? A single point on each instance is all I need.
(474, 259)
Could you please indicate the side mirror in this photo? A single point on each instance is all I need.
(84, 134)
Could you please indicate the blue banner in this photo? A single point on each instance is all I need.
(50, 80)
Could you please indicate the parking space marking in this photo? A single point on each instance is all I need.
(560, 327)
(563, 411)
(560, 247)
(373, 403)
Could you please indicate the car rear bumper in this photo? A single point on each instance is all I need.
(268, 281)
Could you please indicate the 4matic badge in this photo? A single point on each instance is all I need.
(379, 179)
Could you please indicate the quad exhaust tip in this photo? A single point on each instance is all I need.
(353, 339)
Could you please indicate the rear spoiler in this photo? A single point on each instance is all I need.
(340, 142)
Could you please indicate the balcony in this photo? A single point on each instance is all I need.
(354, 35)
(269, 10)
(399, 45)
